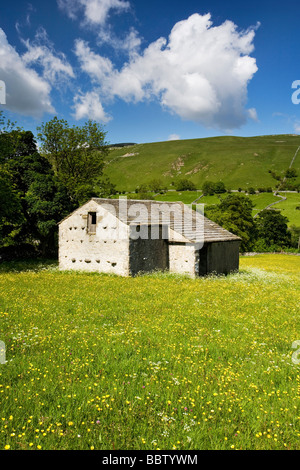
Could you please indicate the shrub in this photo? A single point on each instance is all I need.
(290, 173)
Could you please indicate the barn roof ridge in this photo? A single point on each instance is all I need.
(206, 228)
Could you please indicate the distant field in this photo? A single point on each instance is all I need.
(261, 200)
(154, 362)
(187, 197)
(237, 161)
(288, 208)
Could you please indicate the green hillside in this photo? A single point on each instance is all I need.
(287, 207)
(237, 161)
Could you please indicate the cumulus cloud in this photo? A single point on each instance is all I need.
(200, 73)
(97, 67)
(95, 12)
(26, 91)
(89, 106)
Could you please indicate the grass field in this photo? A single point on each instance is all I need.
(237, 161)
(288, 208)
(187, 197)
(260, 201)
(154, 362)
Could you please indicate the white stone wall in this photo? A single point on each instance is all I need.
(182, 259)
(105, 251)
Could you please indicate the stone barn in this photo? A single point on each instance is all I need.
(126, 237)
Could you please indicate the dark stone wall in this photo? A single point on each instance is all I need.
(147, 254)
(219, 257)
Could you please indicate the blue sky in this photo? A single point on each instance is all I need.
(152, 71)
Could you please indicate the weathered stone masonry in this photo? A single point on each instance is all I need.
(99, 236)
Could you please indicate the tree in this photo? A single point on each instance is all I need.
(76, 155)
(295, 236)
(219, 187)
(272, 226)
(208, 188)
(5, 138)
(32, 199)
(234, 213)
(46, 202)
(290, 173)
(156, 185)
(11, 215)
(185, 185)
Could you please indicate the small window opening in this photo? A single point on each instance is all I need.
(92, 222)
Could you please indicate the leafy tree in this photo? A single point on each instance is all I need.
(46, 203)
(208, 188)
(185, 185)
(16, 143)
(76, 155)
(156, 185)
(272, 226)
(295, 236)
(234, 213)
(13, 139)
(142, 192)
(11, 215)
(219, 187)
(32, 198)
(143, 188)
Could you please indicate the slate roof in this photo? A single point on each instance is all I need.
(189, 224)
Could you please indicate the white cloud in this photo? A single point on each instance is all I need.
(89, 106)
(130, 43)
(97, 67)
(95, 15)
(95, 12)
(26, 92)
(41, 51)
(200, 73)
(174, 137)
(253, 114)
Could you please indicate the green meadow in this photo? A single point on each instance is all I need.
(158, 361)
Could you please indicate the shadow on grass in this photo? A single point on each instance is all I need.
(36, 265)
